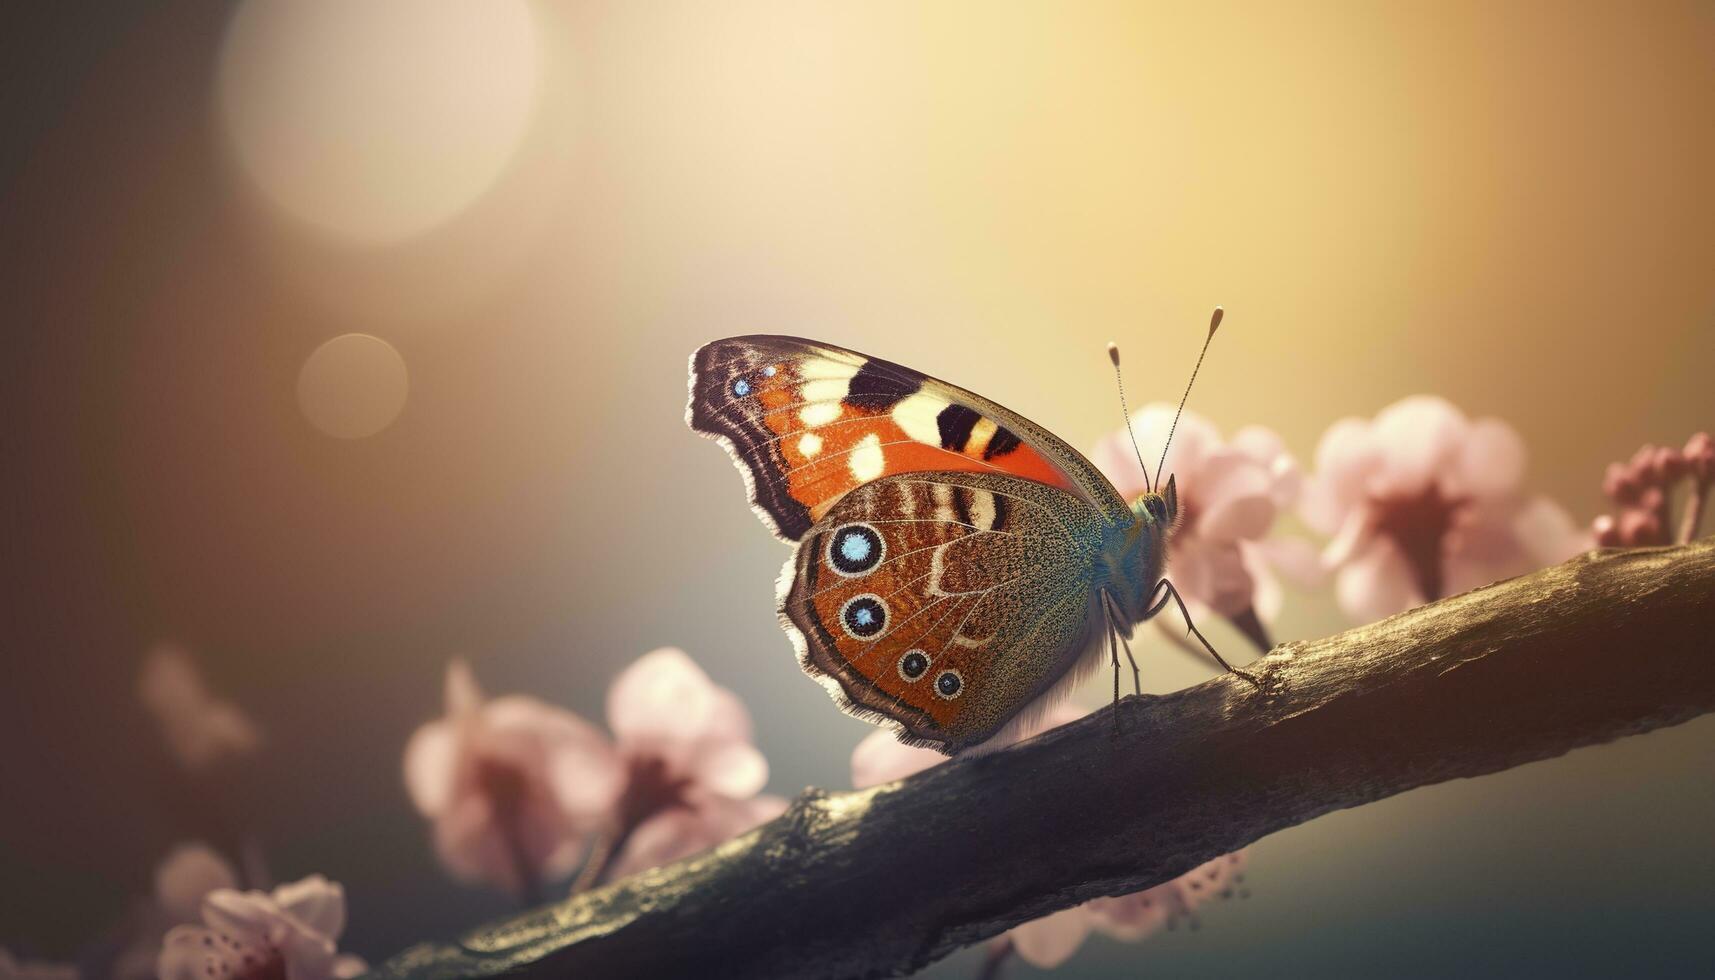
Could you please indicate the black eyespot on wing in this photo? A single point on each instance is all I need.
(948, 684)
(914, 664)
(864, 616)
(855, 549)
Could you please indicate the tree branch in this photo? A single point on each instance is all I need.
(883, 881)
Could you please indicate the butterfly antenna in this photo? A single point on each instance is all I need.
(1214, 321)
(1114, 356)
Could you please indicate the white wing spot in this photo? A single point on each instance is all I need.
(982, 509)
(822, 368)
(809, 444)
(867, 460)
(820, 413)
(825, 390)
(919, 416)
(943, 497)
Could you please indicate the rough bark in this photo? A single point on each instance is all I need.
(884, 881)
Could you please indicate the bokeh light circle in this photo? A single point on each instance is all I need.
(353, 386)
(377, 120)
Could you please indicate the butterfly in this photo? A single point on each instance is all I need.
(957, 566)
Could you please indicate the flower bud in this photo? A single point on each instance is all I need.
(1606, 533)
(1700, 456)
(1639, 528)
(1620, 484)
(1667, 465)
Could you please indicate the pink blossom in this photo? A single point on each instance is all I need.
(1230, 493)
(512, 785)
(287, 934)
(1051, 940)
(189, 873)
(1423, 503)
(519, 790)
(200, 728)
(12, 968)
(692, 773)
(1133, 917)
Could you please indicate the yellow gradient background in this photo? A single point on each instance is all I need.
(1507, 204)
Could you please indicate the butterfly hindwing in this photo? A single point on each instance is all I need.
(944, 602)
(809, 422)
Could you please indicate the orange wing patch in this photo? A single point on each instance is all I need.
(810, 425)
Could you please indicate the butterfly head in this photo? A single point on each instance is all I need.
(1158, 509)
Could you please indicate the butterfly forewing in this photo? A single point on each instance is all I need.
(810, 422)
(944, 601)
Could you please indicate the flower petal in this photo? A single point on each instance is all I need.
(1376, 584)
(1490, 460)
(732, 769)
(1346, 456)
(1267, 598)
(559, 753)
(1235, 497)
(239, 915)
(664, 695)
(186, 953)
(729, 719)
(1420, 438)
(316, 902)
(185, 877)
(1051, 940)
(1134, 917)
(463, 696)
(1188, 567)
(1260, 443)
(1293, 557)
(1212, 575)
(586, 779)
(469, 845)
(431, 762)
(1265, 447)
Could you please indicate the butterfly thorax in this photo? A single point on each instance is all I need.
(1136, 555)
(1132, 562)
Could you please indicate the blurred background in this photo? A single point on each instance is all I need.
(533, 212)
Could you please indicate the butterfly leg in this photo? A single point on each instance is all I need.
(1114, 656)
(1136, 675)
(1171, 591)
